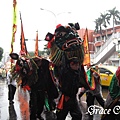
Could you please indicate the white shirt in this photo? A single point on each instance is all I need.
(9, 81)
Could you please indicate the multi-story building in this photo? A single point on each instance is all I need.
(104, 48)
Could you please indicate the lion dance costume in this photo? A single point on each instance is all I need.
(66, 47)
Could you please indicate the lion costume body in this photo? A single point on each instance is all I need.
(64, 45)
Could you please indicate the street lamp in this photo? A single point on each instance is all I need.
(55, 15)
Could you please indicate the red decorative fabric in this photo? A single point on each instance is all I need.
(50, 42)
(58, 25)
(17, 68)
(26, 88)
(60, 104)
(22, 52)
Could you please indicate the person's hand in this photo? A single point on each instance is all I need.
(95, 75)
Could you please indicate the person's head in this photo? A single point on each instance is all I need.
(74, 63)
(96, 67)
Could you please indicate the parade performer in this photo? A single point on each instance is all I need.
(97, 92)
(67, 55)
(91, 95)
(69, 88)
(43, 88)
(35, 73)
(113, 99)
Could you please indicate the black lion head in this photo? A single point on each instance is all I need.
(65, 42)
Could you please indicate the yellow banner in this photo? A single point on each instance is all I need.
(86, 48)
(14, 27)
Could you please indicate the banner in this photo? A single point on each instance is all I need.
(86, 48)
(22, 40)
(14, 27)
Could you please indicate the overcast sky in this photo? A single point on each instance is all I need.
(55, 11)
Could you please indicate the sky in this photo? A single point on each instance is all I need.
(55, 12)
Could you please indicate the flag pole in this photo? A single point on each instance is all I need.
(36, 45)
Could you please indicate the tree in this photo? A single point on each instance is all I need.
(1, 53)
(32, 53)
(105, 20)
(115, 15)
(98, 27)
(46, 49)
(99, 24)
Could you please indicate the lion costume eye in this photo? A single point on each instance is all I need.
(60, 34)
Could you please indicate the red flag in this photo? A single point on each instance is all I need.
(36, 45)
(23, 44)
(14, 28)
(86, 48)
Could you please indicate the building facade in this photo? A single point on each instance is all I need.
(97, 41)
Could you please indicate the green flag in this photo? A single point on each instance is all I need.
(114, 87)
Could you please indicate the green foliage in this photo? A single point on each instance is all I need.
(104, 20)
(40, 53)
(1, 53)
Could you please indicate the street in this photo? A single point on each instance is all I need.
(20, 109)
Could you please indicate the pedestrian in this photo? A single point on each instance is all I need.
(36, 77)
(3, 74)
(112, 102)
(91, 95)
(69, 81)
(12, 84)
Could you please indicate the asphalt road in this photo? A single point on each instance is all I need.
(20, 109)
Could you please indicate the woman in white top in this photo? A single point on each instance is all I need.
(11, 87)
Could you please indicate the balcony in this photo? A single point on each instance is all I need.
(107, 49)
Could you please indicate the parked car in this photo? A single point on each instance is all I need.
(106, 74)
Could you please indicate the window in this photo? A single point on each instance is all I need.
(103, 70)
